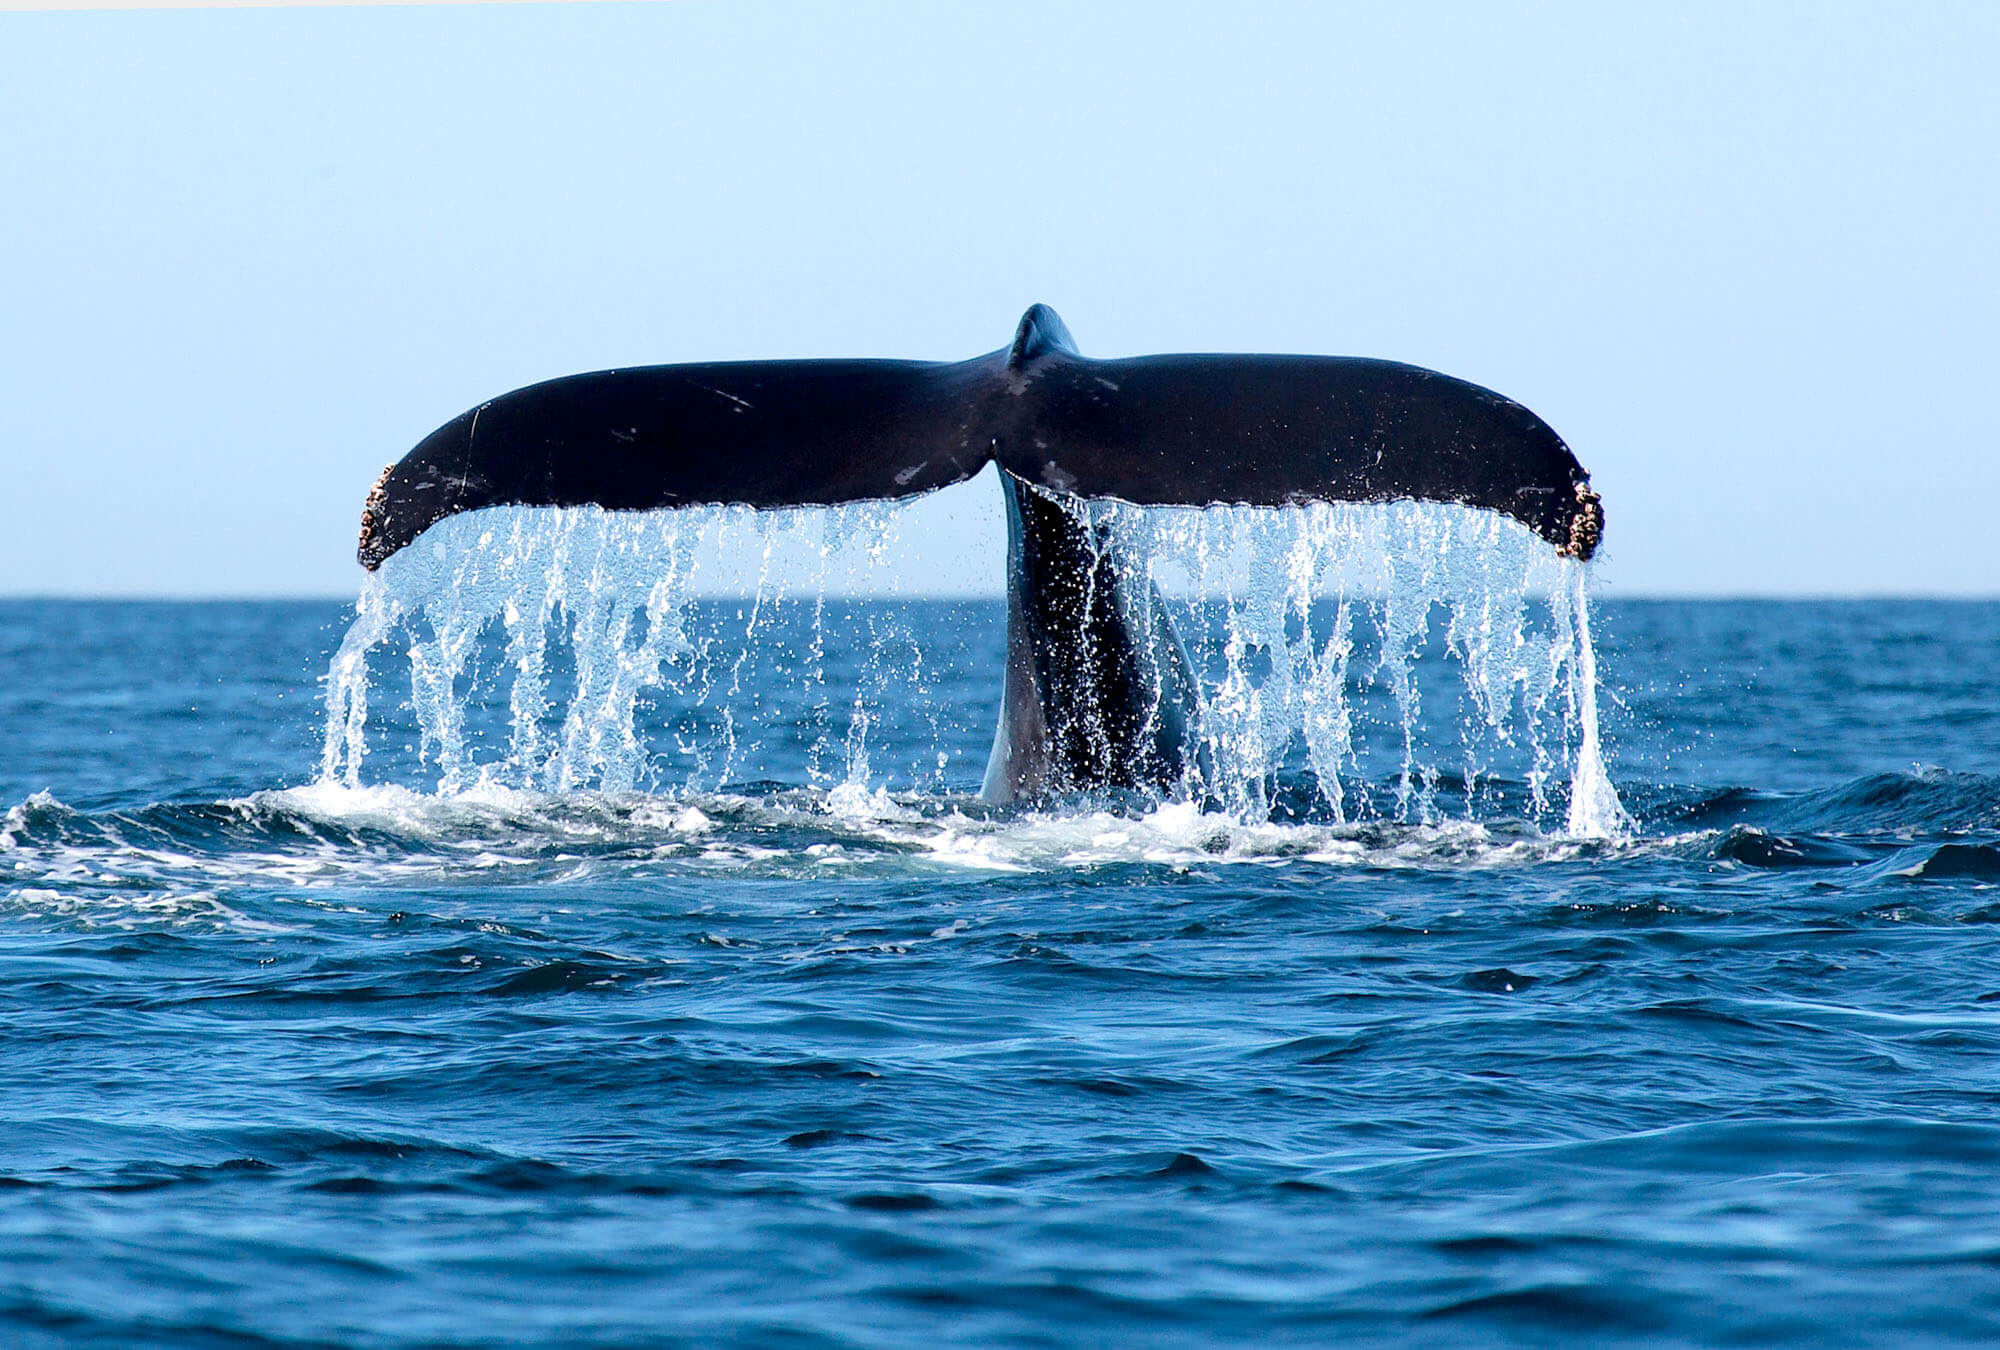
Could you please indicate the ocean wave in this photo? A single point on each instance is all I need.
(1919, 801)
(301, 849)
(323, 834)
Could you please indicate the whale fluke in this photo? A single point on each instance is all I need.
(1185, 430)
(1099, 694)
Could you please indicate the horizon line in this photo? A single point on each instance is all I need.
(1597, 593)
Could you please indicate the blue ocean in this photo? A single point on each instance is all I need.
(544, 951)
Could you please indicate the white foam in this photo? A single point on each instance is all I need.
(130, 912)
(325, 846)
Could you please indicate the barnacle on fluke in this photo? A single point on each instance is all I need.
(374, 515)
(1586, 526)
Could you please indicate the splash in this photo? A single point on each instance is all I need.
(1410, 662)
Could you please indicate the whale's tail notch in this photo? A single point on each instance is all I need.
(1040, 332)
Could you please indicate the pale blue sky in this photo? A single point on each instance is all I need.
(1742, 257)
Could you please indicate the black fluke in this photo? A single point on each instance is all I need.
(1098, 693)
(1183, 430)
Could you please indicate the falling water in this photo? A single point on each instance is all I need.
(614, 589)
(1314, 607)
(1314, 630)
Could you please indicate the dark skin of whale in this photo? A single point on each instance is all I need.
(1098, 691)
(1099, 694)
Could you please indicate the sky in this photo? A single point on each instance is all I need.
(1741, 257)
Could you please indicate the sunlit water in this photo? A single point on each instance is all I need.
(738, 1018)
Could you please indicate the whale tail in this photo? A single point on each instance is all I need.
(1187, 430)
(1097, 694)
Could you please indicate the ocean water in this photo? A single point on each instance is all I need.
(753, 1027)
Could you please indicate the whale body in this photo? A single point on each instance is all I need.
(1098, 691)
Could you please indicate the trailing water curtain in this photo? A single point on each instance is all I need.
(1098, 692)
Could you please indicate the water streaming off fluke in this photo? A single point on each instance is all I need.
(1409, 662)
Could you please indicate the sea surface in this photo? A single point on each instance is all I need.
(770, 1034)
